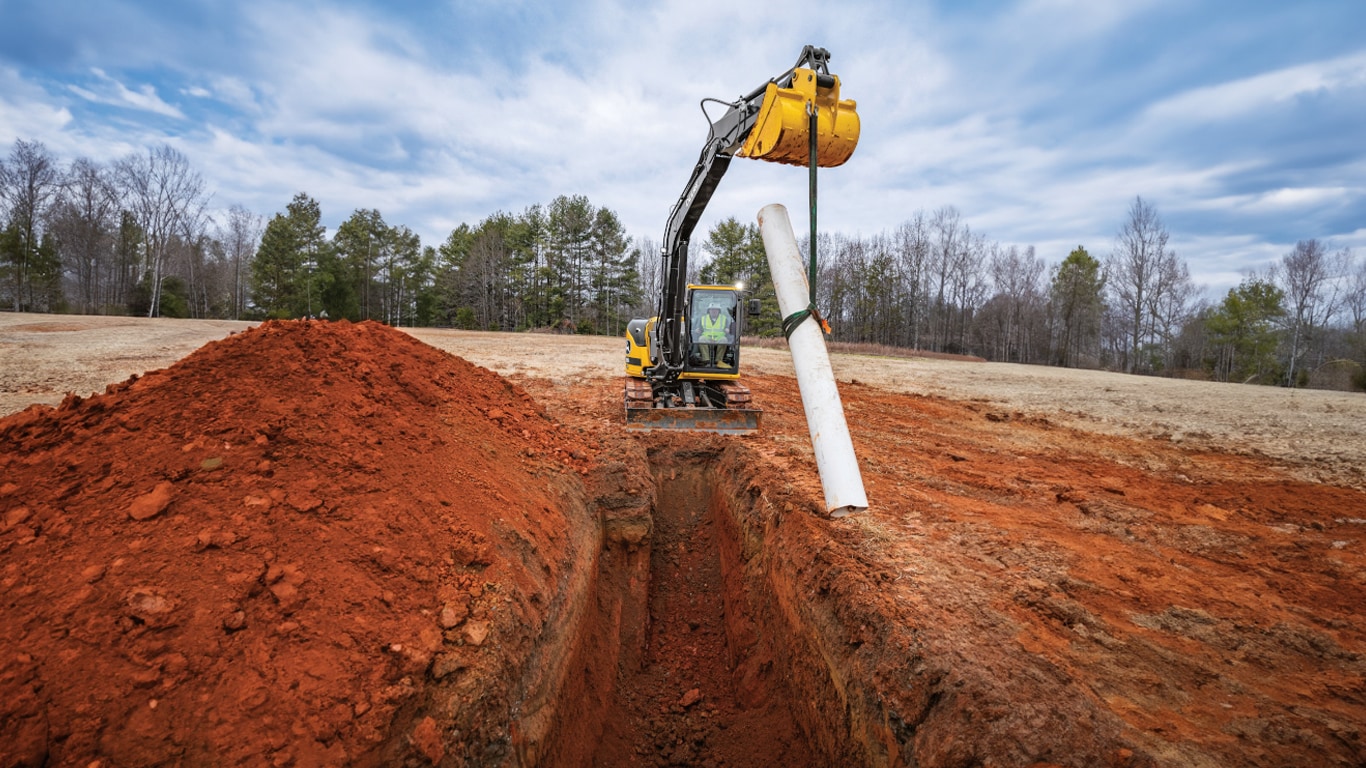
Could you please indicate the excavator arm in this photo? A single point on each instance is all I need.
(771, 123)
(677, 382)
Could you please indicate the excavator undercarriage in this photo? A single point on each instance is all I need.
(724, 407)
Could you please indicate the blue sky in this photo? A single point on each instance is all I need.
(1039, 120)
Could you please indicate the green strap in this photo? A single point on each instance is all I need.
(811, 265)
(795, 319)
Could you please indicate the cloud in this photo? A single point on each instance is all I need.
(110, 91)
(1276, 201)
(1039, 122)
(25, 110)
(1242, 97)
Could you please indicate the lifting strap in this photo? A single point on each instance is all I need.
(795, 319)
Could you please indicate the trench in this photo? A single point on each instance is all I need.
(712, 617)
(694, 696)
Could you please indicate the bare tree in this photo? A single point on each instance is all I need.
(913, 263)
(27, 183)
(1356, 308)
(1313, 294)
(651, 275)
(969, 286)
(946, 226)
(1017, 280)
(484, 271)
(84, 220)
(1169, 304)
(1133, 270)
(239, 236)
(167, 199)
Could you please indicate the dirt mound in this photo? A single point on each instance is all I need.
(259, 554)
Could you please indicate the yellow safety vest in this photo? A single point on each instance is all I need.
(714, 330)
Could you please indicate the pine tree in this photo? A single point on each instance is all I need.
(285, 271)
(737, 252)
(1077, 306)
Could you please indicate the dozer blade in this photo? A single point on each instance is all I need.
(725, 421)
(782, 131)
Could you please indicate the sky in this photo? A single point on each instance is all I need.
(1040, 121)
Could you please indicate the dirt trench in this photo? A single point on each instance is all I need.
(695, 684)
(298, 565)
(723, 632)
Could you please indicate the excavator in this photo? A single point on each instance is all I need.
(683, 364)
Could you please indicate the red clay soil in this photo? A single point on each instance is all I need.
(1076, 594)
(322, 544)
(267, 553)
(1023, 594)
(688, 702)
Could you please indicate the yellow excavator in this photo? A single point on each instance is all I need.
(683, 364)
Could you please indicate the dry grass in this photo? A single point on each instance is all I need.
(874, 350)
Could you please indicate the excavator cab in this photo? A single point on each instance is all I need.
(707, 397)
(714, 348)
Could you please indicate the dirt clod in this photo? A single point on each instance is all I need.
(152, 503)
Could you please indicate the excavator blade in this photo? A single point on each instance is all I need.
(725, 421)
(782, 131)
(739, 417)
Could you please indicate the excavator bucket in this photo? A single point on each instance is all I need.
(782, 131)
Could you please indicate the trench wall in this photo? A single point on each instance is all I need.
(605, 631)
(799, 615)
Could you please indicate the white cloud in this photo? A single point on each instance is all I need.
(26, 112)
(1238, 98)
(114, 93)
(352, 107)
(1275, 201)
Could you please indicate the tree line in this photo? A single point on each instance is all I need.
(136, 236)
(934, 284)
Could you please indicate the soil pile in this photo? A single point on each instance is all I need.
(263, 553)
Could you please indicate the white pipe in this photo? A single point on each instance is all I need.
(840, 475)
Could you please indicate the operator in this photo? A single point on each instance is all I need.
(715, 336)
